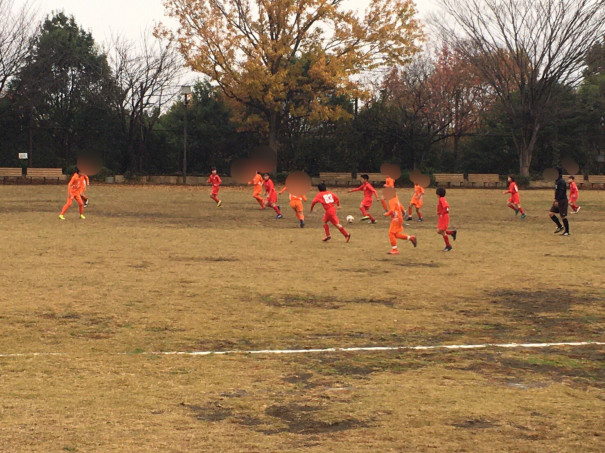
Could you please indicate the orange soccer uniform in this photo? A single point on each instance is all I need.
(397, 212)
(390, 182)
(416, 201)
(74, 188)
(296, 203)
(257, 181)
(84, 186)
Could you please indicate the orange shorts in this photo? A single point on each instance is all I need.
(396, 226)
(416, 202)
(296, 205)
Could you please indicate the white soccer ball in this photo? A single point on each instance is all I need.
(350, 219)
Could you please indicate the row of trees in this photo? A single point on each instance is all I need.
(513, 87)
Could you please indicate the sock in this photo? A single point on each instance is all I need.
(260, 202)
(327, 229)
(372, 219)
(447, 240)
(215, 198)
(363, 211)
(419, 214)
(276, 209)
(521, 210)
(566, 223)
(393, 240)
(343, 231)
(512, 206)
(410, 212)
(402, 236)
(450, 232)
(556, 220)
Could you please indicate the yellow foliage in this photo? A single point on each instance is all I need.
(280, 56)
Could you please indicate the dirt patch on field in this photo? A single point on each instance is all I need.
(475, 423)
(331, 303)
(303, 419)
(211, 412)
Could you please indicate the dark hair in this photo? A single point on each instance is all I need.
(512, 178)
(77, 170)
(212, 168)
(572, 177)
(321, 187)
(364, 176)
(440, 191)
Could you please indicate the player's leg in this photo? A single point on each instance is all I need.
(420, 219)
(66, 207)
(327, 230)
(80, 205)
(364, 213)
(554, 210)
(338, 225)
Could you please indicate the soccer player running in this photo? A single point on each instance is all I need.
(366, 203)
(416, 201)
(559, 205)
(443, 212)
(397, 212)
(257, 181)
(514, 201)
(216, 181)
(329, 201)
(74, 187)
(296, 203)
(271, 195)
(573, 194)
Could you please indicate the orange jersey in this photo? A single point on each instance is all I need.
(395, 210)
(418, 191)
(390, 182)
(74, 186)
(257, 181)
(293, 197)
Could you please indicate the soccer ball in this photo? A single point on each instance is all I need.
(350, 219)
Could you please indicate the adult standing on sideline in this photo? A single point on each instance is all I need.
(559, 205)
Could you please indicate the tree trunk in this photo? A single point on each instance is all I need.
(526, 151)
(273, 130)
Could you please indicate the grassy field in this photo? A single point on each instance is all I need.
(87, 305)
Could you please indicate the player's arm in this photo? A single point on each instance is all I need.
(283, 190)
(356, 189)
(304, 198)
(375, 193)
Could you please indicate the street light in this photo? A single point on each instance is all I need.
(185, 91)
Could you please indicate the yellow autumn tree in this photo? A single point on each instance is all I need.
(277, 58)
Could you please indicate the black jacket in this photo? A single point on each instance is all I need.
(560, 189)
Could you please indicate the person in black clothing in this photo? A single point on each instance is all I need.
(559, 206)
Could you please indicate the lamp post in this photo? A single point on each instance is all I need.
(185, 91)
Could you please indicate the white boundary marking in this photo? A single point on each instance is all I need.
(353, 349)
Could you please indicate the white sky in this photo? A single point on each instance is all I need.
(130, 18)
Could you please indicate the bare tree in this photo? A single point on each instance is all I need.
(523, 49)
(146, 78)
(17, 28)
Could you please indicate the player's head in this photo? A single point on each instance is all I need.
(365, 177)
(266, 176)
(572, 178)
(560, 170)
(511, 179)
(321, 187)
(440, 191)
(213, 170)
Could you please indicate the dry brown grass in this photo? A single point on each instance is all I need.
(162, 269)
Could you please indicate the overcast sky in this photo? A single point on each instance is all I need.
(129, 18)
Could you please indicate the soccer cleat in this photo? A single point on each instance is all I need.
(559, 229)
(454, 234)
(393, 252)
(523, 216)
(302, 224)
(407, 217)
(448, 248)
(61, 216)
(365, 217)
(565, 234)
(420, 219)
(279, 216)
(82, 216)
(347, 237)
(219, 204)
(414, 241)
(577, 210)
(327, 238)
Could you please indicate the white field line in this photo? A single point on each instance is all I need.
(356, 349)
